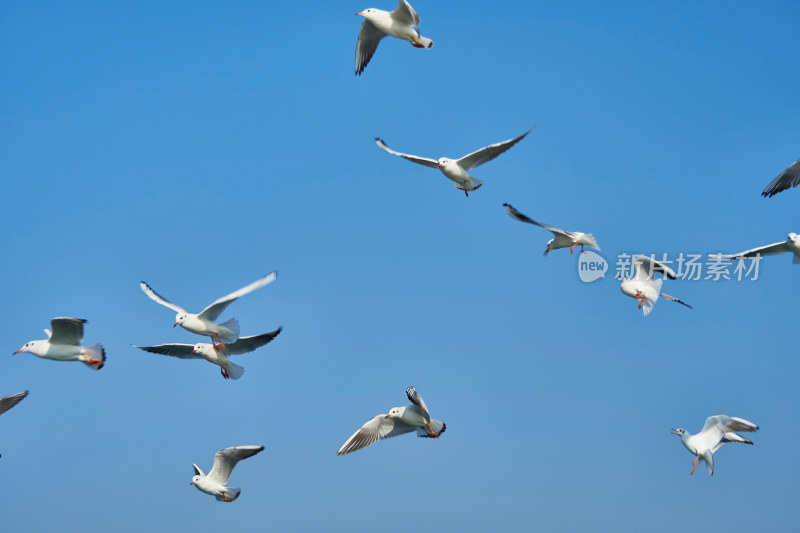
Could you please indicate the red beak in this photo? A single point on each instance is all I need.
(175, 324)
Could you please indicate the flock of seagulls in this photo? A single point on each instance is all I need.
(65, 338)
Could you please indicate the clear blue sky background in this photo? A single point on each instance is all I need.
(198, 146)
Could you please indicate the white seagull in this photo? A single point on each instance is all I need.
(563, 239)
(402, 23)
(456, 169)
(215, 354)
(791, 244)
(224, 461)
(64, 344)
(786, 180)
(717, 430)
(203, 323)
(400, 420)
(644, 287)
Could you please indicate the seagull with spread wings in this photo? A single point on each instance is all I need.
(400, 420)
(717, 430)
(785, 180)
(562, 239)
(457, 169)
(644, 287)
(791, 244)
(203, 323)
(402, 23)
(64, 344)
(224, 462)
(216, 354)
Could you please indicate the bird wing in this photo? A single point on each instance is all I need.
(368, 39)
(786, 180)
(413, 158)
(731, 437)
(181, 351)
(717, 426)
(376, 429)
(153, 295)
(248, 344)
(7, 402)
(404, 13)
(523, 218)
(225, 460)
(213, 311)
(673, 299)
(646, 268)
(415, 398)
(483, 155)
(67, 331)
(770, 249)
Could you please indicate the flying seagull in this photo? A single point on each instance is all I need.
(224, 461)
(402, 23)
(203, 323)
(791, 244)
(64, 344)
(456, 169)
(215, 354)
(717, 430)
(400, 420)
(644, 287)
(563, 239)
(786, 180)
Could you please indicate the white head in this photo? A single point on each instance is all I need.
(679, 431)
(443, 162)
(368, 13)
(202, 348)
(547, 250)
(198, 474)
(195, 480)
(793, 237)
(396, 412)
(29, 347)
(179, 318)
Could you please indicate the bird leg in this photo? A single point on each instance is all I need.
(220, 342)
(224, 373)
(695, 465)
(225, 498)
(415, 44)
(640, 298)
(573, 246)
(433, 433)
(466, 192)
(582, 250)
(214, 344)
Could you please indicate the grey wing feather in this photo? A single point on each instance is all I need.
(488, 153)
(729, 424)
(432, 163)
(731, 437)
(7, 402)
(181, 351)
(786, 180)
(770, 249)
(153, 295)
(368, 39)
(213, 311)
(375, 429)
(415, 398)
(405, 13)
(523, 218)
(673, 299)
(67, 331)
(248, 344)
(225, 460)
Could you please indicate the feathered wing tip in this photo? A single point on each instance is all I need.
(229, 331)
(97, 353)
(234, 371)
(197, 470)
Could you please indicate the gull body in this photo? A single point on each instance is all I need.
(717, 430)
(402, 23)
(457, 170)
(644, 287)
(561, 238)
(64, 344)
(216, 354)
(400, 420)
(791, 244)
(225, 460)
(202, 323)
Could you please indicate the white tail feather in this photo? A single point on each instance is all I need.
(229, 331)
(234, 371)
(92, 354)
(425, 42)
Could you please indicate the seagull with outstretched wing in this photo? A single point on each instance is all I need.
(644, 287)
(717, 430)
(224, 462)
(402, 23)
(215, 354)
(561, 239)
(457, 170)
(785, 180)
(791, 244)
(399, 421)
(63, 343)
(203, 323)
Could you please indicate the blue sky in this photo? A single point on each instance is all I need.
(198, 146)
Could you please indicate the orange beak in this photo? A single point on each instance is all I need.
(18, 351)
(192, 483)
(387, 416)
(361, 14)
(194, 351)
(175, 324)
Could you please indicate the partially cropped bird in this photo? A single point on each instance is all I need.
(785, 180)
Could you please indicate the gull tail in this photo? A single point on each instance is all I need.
(708, 457)
(94, 356)
(229, 331)
(796, 259)
(438, 426)
(475, 184)
(231, 492)
(422, 42)
(592, 242)
(234, 371)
